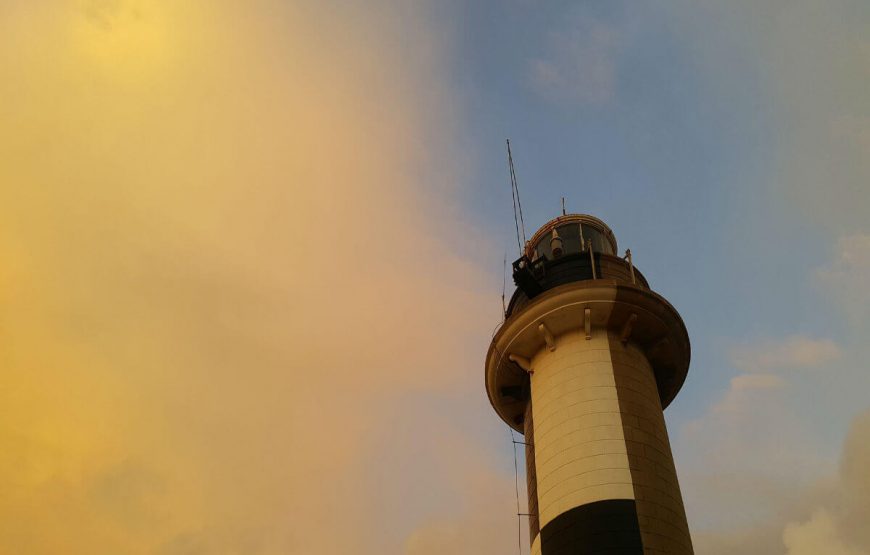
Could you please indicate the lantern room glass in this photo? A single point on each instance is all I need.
(570, 235)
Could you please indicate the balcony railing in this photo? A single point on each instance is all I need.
(533, 277)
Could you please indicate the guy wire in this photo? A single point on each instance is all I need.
(517, 490)
(516, 188)
(514, 197)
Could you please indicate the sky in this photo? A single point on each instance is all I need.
(252, 259)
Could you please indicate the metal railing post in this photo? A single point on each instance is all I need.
(630, 266)
(592, 259)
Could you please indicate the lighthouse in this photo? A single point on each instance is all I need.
(583, 366)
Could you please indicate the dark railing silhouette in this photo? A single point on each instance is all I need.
(533, 277)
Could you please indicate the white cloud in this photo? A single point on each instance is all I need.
(750, 452)
(816, 536)
(826, 517)
(809, 74)
(581, 65)
(762, 364)
(746, 382)
(747, 392)
(848, 276)
(793, 352)
(840, 526)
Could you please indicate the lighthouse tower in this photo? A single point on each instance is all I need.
(584, 364)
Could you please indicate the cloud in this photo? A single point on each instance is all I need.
(758, 424)
(762, 364)
(790, 78)
(751, 454)
(747, 453)
(746, 382)
(839, 527)
(224, 269)
(797, 351)
(817, 535)
(846, 278)
(103, 12)
(758, 540)
(758, 478)
(746, 392)
(825, 516)
(803, 72)
(581, 66)
(483, 522)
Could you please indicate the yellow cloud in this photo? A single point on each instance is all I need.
(222, 264)
(125, 38)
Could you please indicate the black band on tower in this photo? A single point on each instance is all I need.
(609, 527)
